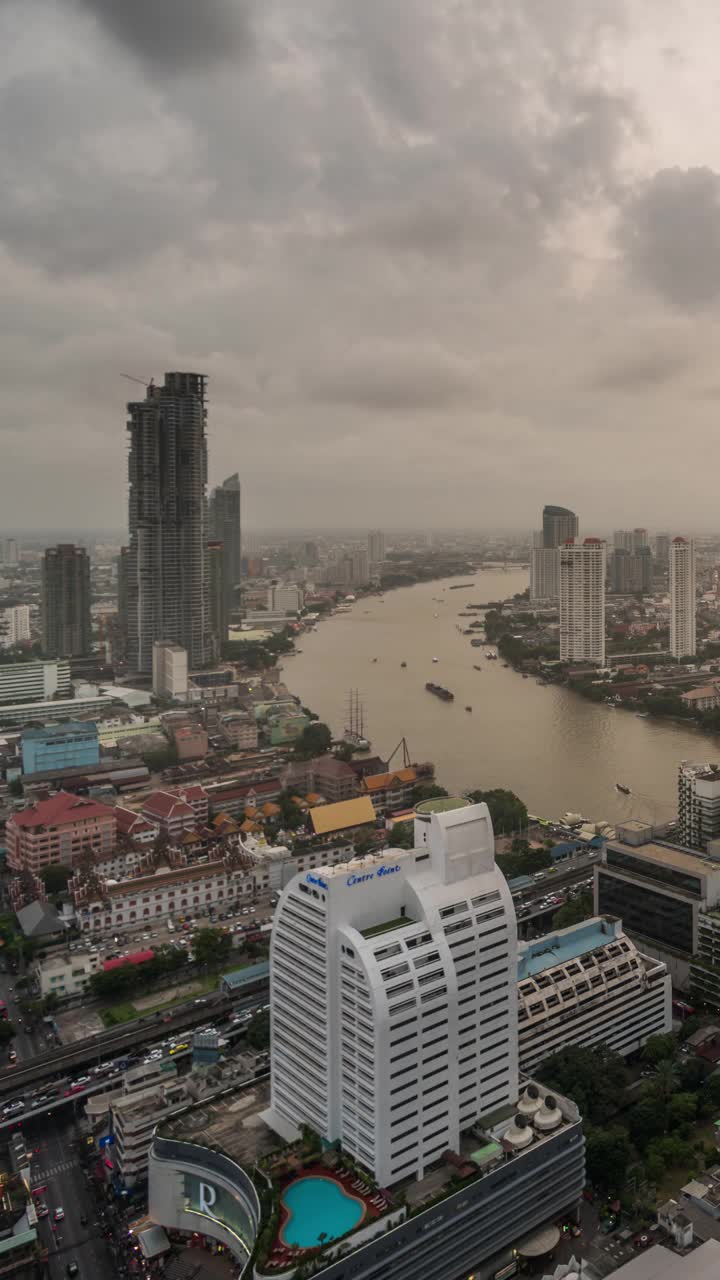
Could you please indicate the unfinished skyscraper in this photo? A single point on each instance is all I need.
(65, 602)
(225, 528)
(167, 566)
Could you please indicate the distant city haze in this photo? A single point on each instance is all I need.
(433, 265)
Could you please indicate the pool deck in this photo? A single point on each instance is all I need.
(282, 1255)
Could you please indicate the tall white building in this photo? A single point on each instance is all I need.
(14, 625)
(698, 804)
(682, 598)
(582, 601)
(376, 546)
(169, 669)
(393, 996)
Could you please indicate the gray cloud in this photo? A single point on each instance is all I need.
(670, 234)
(177, 35)
(640, 373)
(398, 378)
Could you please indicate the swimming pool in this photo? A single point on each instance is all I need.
(318, 1206)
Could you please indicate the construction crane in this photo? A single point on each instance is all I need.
(142, 381)
(406, 754)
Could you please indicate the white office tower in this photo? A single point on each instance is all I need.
(393, 996)
(682, 598)
(582, 601)
(544, 573)
(14, 625)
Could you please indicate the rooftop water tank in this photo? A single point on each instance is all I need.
(520, 1133)
(530, 1101)
(549, 1116)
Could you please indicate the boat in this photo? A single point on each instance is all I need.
(354, 734)
(642, 715)
(375, 659)
(619, 787)
(525, 675)
(477, 643)
(403, 664)
(436, 659)
(476, 667)
(468, 708)
(444, 694)
(506, 666)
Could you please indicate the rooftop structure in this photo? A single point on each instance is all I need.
(61, 746)
(329, 818)
(58, 830)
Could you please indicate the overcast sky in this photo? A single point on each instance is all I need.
(442, 260)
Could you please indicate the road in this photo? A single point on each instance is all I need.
(57, 1169)
(26, 1045)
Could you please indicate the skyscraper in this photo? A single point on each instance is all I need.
(682, 598)
(376, 546)
(639, 539)
(65, 602)
(225, 528)
(403, 1029)
(582, 601)
(623, 540)
(218, 595)
(559, 524)
(662, 547)
(168, 587)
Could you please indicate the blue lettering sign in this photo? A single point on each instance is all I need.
(370, 875)
(388, 871)
(311, 879)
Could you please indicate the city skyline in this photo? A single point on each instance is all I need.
(551, 250)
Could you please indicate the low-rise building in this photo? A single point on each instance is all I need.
(169, 670)
(59, 830)
(191, 742)
(35, 681)
(698, 804)
(240, 729)
(588, 984)
(346, 815)
(185, 890)
(706, 698)
(61, 746)
(67, 974)
(334, 779)
(390, 791)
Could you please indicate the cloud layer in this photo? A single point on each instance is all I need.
(440, 261)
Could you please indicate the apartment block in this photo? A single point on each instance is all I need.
(59, 830)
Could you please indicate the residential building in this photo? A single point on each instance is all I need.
(698, 804)
(191, 742)
(9, 552)
(334, 779)
(59, 830)
(662, 892)
(559, 525)
(62, 746)
(35, 681)
(582, 601)
(389, 791)
(376, 551)
(133, 1116)
(167, 563)
(136, 828)
(218, 595)
(588, 984)
(419, 942)
(623, 540)
(285, 598)
(240, 729)
(706, 698)
(66, 974)
(682, 598)
(177, 811)
(544, 573)
(639, 540)
(225, 527)
(662, 548)
(631, 572)
(233, 797)
(65, 602)
(14, 626)
(169, 670)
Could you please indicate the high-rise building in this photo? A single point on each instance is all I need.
(168, 579)
(14, 626)
(310, 555)
(218, 595)
(544, 573)
(631, 571)
(9, 552)
(698, 804)
(623, 540)
(225, 528)
(662, 547)
(639, 539)
(408, 1001)
(559, 524)
(170, 670)
(65, 602)
(682, 598)
(582, 601)
(376, 546)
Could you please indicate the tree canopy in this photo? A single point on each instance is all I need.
(593, 1077)
(211, 947)
(426, 791)
(258, 1032)
(573, 911)
(55, 878)
(507, 810)
(315, 740)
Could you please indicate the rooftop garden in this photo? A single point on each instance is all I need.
(386, 926)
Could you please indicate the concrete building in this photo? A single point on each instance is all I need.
(65, 602)
(66, 974)
(177, 810)
(682, 598)
(665, 894)
(9, 552)
(63, 746)
(407, 959)
(559, 526)
(631, 572)
(706, 698)
(186, 890)
(240, 729)
(285, 598)
(698, 804)
(622, 540)
(582, 601)
(169, 670)
(36, 681)
(225, 527)
(334, 779)
(191, 742)
(544, 573)
(588, 984)
(14, 626)
(639, 540)
(218, 595)
(662, 548)
(59, 830)
(133, 1117)
(168, 576)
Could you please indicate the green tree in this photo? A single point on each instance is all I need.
(315, 740)
(682, 1111)
(507, 811)
(665, 1079)
(15, 788)
(712, 1091)
(426, 791)
(402, 835)
(258, 1031)
(645, 1122)
(8, 1031)
(573, 911)
(607, 1156)
(654, 1168)
(595, 1078)
(658, 1048)
(55, 878)
(689, 1027)
(291, 816)
(212, 948)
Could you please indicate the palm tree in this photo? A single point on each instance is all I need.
(665, 1080)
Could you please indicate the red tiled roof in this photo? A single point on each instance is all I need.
(135, 957)
(128, 820)
(59, 809)
(163, 804)
(192, 792)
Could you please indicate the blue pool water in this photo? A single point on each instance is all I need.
(318, 1205)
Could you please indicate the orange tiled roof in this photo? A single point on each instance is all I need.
(380, 781)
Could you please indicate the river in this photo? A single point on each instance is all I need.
(555, 749)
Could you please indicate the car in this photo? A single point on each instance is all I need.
(13, 1108)
(72, 1269)
(41, 1209)
(178, 1048)
(80, 1083)
(12, 1057)
(200, 1000)
(59, 1214)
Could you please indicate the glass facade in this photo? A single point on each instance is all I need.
(670, 876)
(667, 921)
